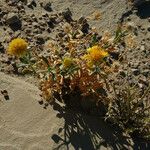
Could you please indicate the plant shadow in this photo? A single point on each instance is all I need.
(87, 132)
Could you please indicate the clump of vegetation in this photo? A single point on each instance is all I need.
(19, 49)
(129, 109)
(78, 76)
(77, 71)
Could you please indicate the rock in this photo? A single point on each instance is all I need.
(115, 55)
(2, 13)
(136, 72)
(22, 11)
(14, 22)
(143, 81)
(32, 4)
(28, 31)
(37, 31)
(15, 68)
(60, 34)
(85, 28)
(47, 6)
(142, 48)
(148, 29)
(34, 19)
(35, 24)
(20, 6)
(146, 72)
(50, 23)
(122, 73)
(48, 30)
(84, 24)
(42, 28)
(67, 15)
(12, 2)
(45, 15)
(40, 40)
(1, 48)
(42, 23)
(82, 20)
(24, 1)
(6, 61)
(1, 23)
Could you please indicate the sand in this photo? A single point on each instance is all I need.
(23, 123)
(26, 125)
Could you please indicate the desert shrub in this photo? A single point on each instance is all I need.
(77, 70)
(77, 74)
(129, 108)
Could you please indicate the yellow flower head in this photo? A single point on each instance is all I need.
(67, 62)
(95, 54)
(17, 47)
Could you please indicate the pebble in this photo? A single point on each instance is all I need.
(142, 48)
(146, 72)
(45, 16)
(48, 30)
(50, 23)
(136, 72)
(36, 31)
(67, 15)
(82, 20)
(28, 31)
(143, 80)
(35, 24)
(42, 28)
(47, 6)
(14, 21)
(123, 73)
(85, 28)
(6, 60)
(32, 4)
(1, 48)
(40, 40)
(115, 55)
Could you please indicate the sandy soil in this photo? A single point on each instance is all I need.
(25, 125)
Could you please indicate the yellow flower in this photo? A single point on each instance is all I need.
(17, 47)
(67, 62)
(95, 54)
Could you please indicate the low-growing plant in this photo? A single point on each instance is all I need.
(77, 71)
(129, 108)
(19, 48)
(78, 75)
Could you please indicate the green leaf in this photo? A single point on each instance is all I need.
(94, 40)
(24, 60)
(49, 69)
(118, 32)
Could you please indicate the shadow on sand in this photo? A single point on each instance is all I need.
(144, 10)
(89, 133)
